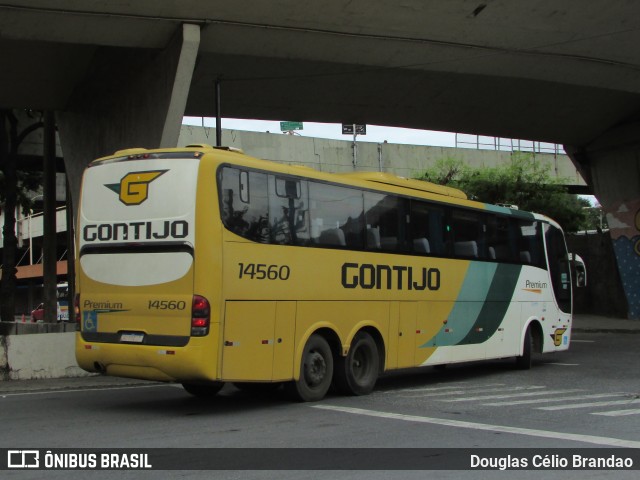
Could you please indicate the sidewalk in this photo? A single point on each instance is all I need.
(586, 323)
(9, 387)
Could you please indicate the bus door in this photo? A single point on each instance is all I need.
(403, 315)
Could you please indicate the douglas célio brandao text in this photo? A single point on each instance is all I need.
(551, 462)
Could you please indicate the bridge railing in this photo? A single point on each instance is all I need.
(481, 142)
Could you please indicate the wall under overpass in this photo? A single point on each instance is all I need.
(611, 164)
(337, 155)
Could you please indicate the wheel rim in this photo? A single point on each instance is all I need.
(315, 369)
(361, 364)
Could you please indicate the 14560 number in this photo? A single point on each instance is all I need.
(261, 271)
(167, 305)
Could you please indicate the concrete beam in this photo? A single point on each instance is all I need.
(128, 98)
(181, 84)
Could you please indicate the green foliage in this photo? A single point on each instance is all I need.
(595, 219)
(525, 182)
(28, 182)
(13, 179)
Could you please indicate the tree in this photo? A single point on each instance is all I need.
(14, 184)
(524, 182)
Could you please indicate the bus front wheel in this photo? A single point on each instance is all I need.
(203, 390)
(357, 373)
(523, 362)
(316, 371)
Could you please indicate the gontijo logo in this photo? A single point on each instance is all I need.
(133, 188)
(558, 336)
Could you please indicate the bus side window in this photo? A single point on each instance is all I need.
(468, 228)
(334, 208)
(530, 244)
(427, 234)
(245, 214)
(500, 239)
(288, 211)
(386, 222)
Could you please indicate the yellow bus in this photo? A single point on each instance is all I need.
(202, 265)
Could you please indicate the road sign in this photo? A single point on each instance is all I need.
(290, 126)
(347, 129)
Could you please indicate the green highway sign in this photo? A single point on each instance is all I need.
(289, 126)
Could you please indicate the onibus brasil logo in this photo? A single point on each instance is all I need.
(133, 188)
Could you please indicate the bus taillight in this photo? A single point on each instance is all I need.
(76, 305)
(200, 316)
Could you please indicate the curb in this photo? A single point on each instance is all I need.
(62, 384)
(604, 330)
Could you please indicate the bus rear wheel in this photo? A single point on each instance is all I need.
(316, 371)
(357, 373)
(203, 390)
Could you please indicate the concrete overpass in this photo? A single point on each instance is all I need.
(123, 73)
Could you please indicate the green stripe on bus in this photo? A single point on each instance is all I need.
(484, 298)
(496, 304)
(468, 305)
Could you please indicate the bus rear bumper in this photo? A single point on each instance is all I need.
(196, 362)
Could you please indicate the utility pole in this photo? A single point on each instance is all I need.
(218, 115)
(71, 257)
(49, 250)
(355, 147)
(355, 129)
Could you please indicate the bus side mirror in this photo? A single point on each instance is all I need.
(580, 270)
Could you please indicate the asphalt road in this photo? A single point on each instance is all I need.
(588, 397)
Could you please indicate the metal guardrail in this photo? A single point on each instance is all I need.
(480, 142)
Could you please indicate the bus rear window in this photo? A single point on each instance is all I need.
(136, 269)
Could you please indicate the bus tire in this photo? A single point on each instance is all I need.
(523, 362)
(357, 373)
(316, 371)
(203, 390)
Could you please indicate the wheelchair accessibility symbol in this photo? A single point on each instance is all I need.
(90, 321)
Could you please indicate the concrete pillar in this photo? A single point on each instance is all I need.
(49, 249)
(129, 98)
(613, 164)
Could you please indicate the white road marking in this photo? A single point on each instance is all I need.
(517, 395)
(619, 413)
(469, 391)
(440, 389)
(593, 439)
(512, 395)
(592, 404)
(557, 399)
